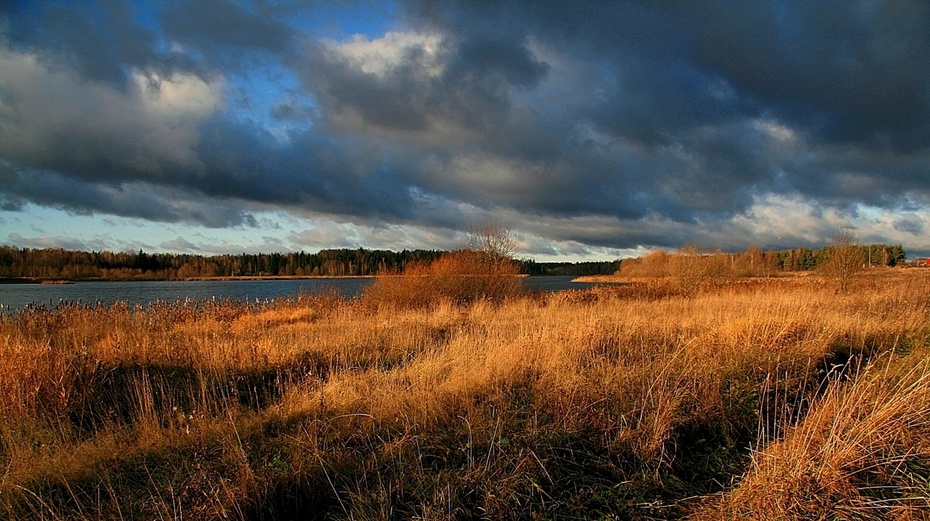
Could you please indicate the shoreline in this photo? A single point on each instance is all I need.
(41, 280)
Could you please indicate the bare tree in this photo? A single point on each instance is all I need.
(845, 259)
(496, 243)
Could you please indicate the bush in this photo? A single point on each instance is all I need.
(653, 264)
(693, 268)
(460, 277)
(845, 259)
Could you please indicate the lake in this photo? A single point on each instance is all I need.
(14, 297)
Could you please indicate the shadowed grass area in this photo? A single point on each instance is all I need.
(767, 399)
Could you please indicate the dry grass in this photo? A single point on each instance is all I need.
(772, 398)
(861, 453)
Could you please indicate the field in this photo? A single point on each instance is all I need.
(777, 398)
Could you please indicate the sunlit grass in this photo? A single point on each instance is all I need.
(748, 400)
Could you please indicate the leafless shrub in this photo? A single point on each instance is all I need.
(845, 260)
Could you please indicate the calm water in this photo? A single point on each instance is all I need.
(14, 297)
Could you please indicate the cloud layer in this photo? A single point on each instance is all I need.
(614, 125)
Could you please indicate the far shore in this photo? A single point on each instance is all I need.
(41, 280)
(269, 277)
(626, 279)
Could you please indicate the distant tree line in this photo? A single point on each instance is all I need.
(575, 269)
(802, 259)
(81, 265)
(693, 263)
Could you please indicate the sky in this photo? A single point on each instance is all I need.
(592, 130)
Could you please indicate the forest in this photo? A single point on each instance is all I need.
(60, 264)
(27, 263)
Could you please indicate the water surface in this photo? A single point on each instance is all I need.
(14, 297)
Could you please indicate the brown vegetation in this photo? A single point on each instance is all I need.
(844, 260)
(765, 399)
(459, 278)
(693, 266)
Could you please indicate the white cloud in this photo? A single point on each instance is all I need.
(380, 55)
(322, 232)
(798, 221)
(778, 132)
(782, 218)
(179, 244)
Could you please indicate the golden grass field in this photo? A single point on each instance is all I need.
(771, 398)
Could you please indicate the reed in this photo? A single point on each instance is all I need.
(762, 398)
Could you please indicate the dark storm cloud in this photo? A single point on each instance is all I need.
(326, 175)
(473, 89)
(138, 199)
(100, 40)
(850, 79)
(641, 122)
(846, 71)
(496, 60)
(564, 173)
(217, 26)
(849, 70)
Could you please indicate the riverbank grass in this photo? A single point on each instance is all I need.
(768, 399)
